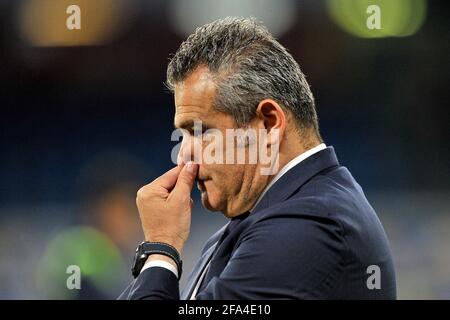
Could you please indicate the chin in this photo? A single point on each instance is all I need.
(209, 203)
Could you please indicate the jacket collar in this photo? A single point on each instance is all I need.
(293, 179)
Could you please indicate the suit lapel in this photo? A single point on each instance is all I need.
(194, 276)
(201, 264)
(220, 258)
(296, 177)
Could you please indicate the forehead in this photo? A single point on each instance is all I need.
(194, 97)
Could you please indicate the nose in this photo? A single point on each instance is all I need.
(184, 155)
(190, 150)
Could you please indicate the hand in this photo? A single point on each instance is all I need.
(165, 206)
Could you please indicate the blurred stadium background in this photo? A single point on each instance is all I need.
(85, 120)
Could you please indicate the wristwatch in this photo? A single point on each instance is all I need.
(147, 248)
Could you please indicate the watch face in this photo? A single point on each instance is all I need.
(138, 261)
(133, 266)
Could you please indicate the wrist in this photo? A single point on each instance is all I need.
(156, 251)
(178, 245)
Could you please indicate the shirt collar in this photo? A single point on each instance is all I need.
(289, 166)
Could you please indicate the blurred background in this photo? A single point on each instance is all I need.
(85, 120)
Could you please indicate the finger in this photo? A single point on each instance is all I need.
(168, 179)
(185, 182)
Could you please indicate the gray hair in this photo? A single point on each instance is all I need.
(248, 66)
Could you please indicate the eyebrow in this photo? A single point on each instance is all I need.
(184, 124)
(189, 125)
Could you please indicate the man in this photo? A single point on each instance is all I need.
(304, 232)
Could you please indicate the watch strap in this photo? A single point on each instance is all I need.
(147, 248)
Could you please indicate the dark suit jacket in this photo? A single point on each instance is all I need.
(312, 236)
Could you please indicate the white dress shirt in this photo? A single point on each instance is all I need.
(286, 168)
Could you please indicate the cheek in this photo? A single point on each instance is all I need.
(224, 187)
(213, 197)
(219, 183)
(227, 179)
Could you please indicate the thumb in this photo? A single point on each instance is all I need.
(185, 181)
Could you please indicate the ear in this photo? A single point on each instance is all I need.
(273, 118)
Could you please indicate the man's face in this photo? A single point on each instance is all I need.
(224, 187)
